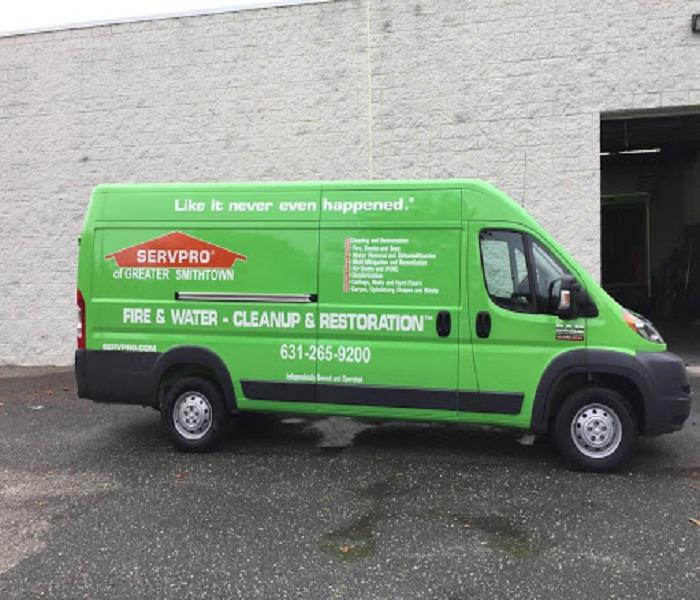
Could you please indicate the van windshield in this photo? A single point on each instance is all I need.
(548, 275)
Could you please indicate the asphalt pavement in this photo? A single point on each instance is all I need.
(96, 503)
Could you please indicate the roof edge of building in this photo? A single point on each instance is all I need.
(197, 12)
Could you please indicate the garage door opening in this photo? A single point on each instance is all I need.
(650, 214)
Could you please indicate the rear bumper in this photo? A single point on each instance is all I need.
(118, 377)
(669, 396)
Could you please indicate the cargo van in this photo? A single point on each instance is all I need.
(439, 301)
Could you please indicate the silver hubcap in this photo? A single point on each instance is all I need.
(192, 415)
(596, 430)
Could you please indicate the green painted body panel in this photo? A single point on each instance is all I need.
(379, 261)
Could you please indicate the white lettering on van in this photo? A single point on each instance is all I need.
(372, 322)
(265, 319)
(169, 256)
(299, 206)
(356, 206)
(204, 275)
(130, 347)
(246, 206)
(194, 316)
(141, 273)
(136, 315)
(334, 321)
(189, 205)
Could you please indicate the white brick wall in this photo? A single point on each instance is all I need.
(507, 90)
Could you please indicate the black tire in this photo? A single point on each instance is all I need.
(206, 405)
(606, 411)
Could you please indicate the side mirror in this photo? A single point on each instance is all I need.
(568, 299)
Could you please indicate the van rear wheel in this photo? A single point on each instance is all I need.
(193, 414)
(595, 429)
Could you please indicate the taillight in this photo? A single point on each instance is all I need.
(81, 319)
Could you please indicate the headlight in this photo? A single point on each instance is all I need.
(642, 326)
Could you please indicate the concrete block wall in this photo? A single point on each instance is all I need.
(507, 90)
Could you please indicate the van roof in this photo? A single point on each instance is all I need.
(486, 203)
(367, 184)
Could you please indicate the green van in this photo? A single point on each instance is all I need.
(420, 300)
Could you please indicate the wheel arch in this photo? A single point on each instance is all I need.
(194, 360)
(577, 368)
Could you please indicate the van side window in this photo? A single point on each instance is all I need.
(548, 276)
(505, 269)
(519, 272)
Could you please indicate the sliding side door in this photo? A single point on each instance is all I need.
(389, 300)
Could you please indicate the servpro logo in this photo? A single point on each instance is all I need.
(172, 258)
(177, 250)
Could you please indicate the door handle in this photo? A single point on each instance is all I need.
(483, 324)
(443, 323)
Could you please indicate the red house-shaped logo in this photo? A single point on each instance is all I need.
(176, 250)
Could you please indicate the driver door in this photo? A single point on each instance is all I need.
(515, 332)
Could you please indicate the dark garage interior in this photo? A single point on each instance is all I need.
(650, 214)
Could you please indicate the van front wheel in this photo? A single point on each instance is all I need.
(595, 429)
(193, 414)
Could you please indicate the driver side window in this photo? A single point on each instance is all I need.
(520, 274)
(505, 269)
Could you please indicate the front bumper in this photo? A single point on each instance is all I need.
(669, 395)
